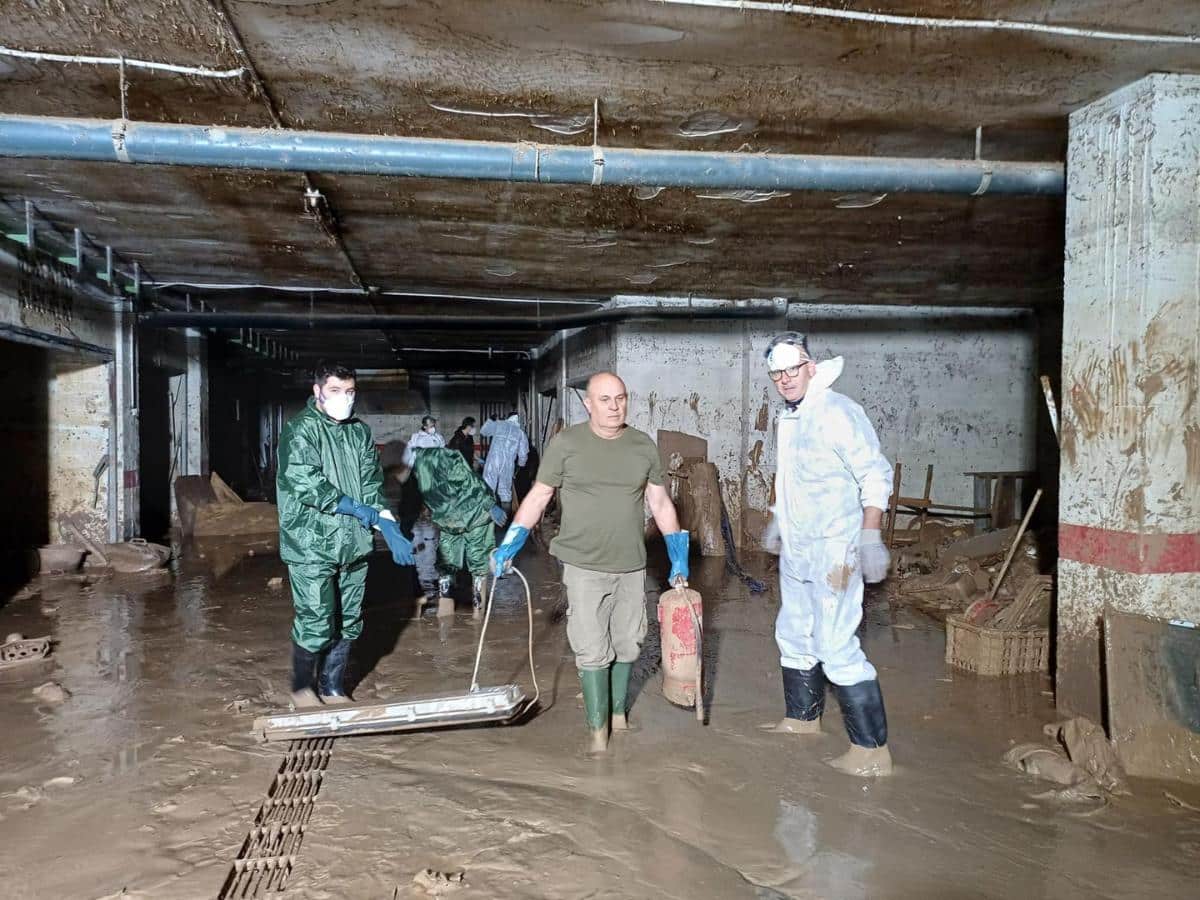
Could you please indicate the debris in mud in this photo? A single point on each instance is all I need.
(208, 507)
(1081, 759)
(60, 781)
(275, 583)
(17, 650)
(950, 571)
(51, 692)
(1182, 804)
(437, 883)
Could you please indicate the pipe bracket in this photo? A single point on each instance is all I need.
(984, 183)
(119, 129)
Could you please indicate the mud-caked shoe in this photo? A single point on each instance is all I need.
(305, 698)
(864, 762)
(792, 726)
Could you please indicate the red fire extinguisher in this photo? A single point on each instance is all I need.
(680, 623)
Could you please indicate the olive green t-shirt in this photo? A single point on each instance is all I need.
(601, 486)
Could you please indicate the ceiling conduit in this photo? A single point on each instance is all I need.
(278, 149)
(332, 322)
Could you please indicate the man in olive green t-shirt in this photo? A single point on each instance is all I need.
(606, 473)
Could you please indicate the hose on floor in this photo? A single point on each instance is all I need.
(487, 615)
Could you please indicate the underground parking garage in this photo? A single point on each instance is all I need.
(316, 316)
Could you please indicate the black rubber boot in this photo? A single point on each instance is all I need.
(333, 673)
(804, 701)
(866, 724)
(862, 708)
(304, 670)
(804, 692)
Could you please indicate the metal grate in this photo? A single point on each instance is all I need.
(268, 854)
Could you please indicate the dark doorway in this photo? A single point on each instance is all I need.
(155, 452)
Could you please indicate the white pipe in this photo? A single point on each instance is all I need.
(288, 288)
(805, 9)
(198, 71)
(488, 352)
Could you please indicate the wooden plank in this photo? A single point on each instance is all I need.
(229, 519)
(1153, 689)
(689, 447)
(892, 501)
(222, 491)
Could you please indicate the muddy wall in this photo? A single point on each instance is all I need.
(958, 391)
(87, 385)
(1129, 535)
(955, 391)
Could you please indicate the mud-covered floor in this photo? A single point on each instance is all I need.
(143, 783)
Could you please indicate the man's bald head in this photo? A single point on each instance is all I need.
(607, 382)
(607, 403)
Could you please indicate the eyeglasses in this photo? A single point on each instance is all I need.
(790, 371)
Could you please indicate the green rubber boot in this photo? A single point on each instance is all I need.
(597, 706)
(620, 692)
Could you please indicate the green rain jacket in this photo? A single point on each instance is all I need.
(319, 461)
(457, 497)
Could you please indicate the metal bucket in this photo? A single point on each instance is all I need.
(59, 559)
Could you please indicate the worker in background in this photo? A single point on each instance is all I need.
(329, 494)
(509, 448)
(606, 473)
(831, 488)
(427, 435)
(459, 503)
(463, 440)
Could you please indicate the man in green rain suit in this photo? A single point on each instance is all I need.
(328, 489)
(461, 505)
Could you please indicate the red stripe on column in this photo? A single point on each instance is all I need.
(1129, 551)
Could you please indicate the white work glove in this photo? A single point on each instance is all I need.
(772, 542)
(873, 556)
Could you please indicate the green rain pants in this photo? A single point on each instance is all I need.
(316, 590)
(476, 545)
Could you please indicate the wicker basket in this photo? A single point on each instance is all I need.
(996, 651)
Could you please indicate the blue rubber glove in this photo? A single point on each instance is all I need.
(677, 551)
(401, 547)
(502, 556)
(369, 516)
(499, 516)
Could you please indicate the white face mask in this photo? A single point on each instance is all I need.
(338, 406)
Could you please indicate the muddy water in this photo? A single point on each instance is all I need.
(166, 675)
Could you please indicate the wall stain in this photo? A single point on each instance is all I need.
(1191, 448)
(756, 455)
(763, 420)
(1150, 386)
(1067, 443)
(1134, 506)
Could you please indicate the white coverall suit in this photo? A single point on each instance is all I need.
(830, 469)
(509, 449)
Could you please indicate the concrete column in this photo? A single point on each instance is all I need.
(124, 461)
(1129, 533)
(197, 443)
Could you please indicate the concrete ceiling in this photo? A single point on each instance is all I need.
(663, 74)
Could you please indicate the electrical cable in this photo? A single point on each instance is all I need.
(487, 615)
(195, 71)
(933, 22)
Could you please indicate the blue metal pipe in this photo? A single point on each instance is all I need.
(364, 154)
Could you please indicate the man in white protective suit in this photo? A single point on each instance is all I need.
(509, 451)
(831, 488)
